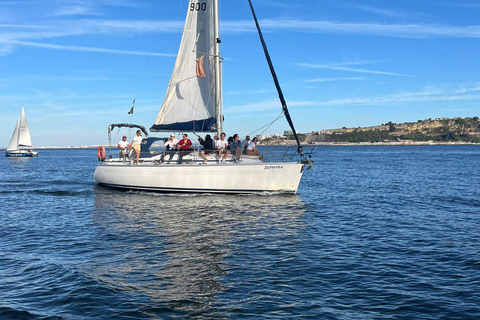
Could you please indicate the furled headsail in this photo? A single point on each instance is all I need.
(190, 101)
(275, 79)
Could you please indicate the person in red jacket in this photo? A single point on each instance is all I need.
(184, 147)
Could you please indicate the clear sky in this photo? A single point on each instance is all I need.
(76, 65)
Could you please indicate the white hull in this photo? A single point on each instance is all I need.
(21, 154)
(218, 178)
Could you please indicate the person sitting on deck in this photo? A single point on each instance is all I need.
(244, 144)
(208, 147)
(234, 147)
(252, 149)
(221, 146)
(184, 147)
(171, 148)
(123, 146)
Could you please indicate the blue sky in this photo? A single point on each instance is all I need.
(76, 65)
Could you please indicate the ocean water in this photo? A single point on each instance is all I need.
(375, 232)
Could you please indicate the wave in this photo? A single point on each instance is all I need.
(7, 313)
(56, 193)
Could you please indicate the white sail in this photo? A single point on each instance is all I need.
(21, 134)
(13, 145)
(24, 139)
(191, 98)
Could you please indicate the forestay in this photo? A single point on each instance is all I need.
(190, 101)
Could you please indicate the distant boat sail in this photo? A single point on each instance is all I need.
(21, 139)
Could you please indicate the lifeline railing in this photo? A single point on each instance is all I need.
(292, 152)
(269, 154)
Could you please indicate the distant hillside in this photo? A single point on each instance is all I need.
(444, 129)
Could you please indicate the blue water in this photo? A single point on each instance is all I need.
(380, 232)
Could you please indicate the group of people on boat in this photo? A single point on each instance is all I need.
(231, 146)
(221, 145)
(137, 141)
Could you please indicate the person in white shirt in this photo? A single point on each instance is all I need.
(136, 143)
(123, 146)
(221, 146)
(171, 147)
(252, 149)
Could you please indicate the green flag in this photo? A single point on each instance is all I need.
(131, 109)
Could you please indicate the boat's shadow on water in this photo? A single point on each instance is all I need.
(185, 251)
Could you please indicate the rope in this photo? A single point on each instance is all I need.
(268, 125)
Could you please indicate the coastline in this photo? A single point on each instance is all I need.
(388, 143)
(289, 144)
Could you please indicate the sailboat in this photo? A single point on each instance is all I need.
(193, 103)
(21, 140)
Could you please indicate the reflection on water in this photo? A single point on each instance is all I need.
(375, 233)
(179, 249)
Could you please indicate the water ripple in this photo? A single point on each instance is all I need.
(374, 233)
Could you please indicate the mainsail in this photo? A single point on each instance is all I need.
(21, 134)
(192, 96)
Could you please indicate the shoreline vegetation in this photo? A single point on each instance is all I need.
(440, 131)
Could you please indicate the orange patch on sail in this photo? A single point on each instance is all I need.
(200, 71)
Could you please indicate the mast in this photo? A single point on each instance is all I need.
(20, 128)
(218, 71)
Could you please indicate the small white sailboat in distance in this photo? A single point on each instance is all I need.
(193, 103)
(21, 142)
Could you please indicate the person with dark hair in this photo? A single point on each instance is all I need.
(136, 143)
(222, 147)
(244, 144)
(234, 147)
(208, 147)
(184, 147)
(252, 149)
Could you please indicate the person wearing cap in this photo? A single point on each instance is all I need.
(123, 146)
(171, 148)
